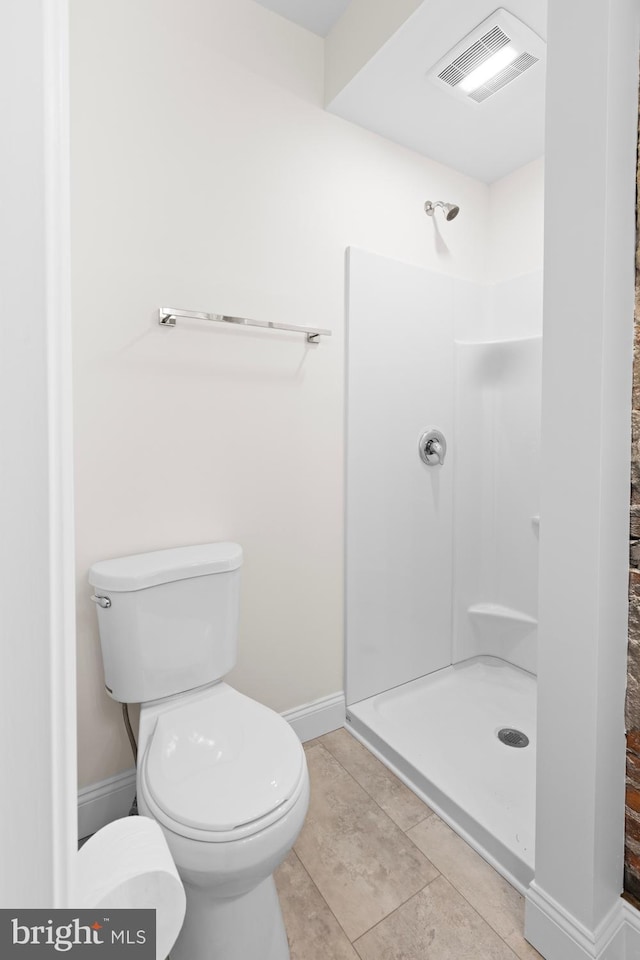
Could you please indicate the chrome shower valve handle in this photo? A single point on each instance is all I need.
(432, 447)
(433, 451)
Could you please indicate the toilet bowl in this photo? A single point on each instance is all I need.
(226, 779)
(224, 776)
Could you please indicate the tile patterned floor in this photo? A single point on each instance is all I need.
(376, 875)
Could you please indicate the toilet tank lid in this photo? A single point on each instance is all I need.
(162, 566)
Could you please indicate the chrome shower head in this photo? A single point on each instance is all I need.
(451, 210)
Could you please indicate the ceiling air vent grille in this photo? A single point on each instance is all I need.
(473, 56)
(514, 70)
(499, 50)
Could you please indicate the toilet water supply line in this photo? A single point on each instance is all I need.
(133, 812)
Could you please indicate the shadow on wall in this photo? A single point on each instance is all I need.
(441, 248)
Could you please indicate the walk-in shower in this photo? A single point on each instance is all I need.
(443, 387)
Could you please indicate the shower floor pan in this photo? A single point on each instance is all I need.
(440, 735)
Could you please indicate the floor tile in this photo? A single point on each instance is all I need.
(522, 949)
(494, 899)
(400, 803)
(312, 930)
(361, 861)
(438, 924)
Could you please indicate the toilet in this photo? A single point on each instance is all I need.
(223, 775)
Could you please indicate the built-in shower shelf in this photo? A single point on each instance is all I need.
(496, 611)
(502, 342)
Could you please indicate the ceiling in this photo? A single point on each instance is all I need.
(392, 95)
(316, 15)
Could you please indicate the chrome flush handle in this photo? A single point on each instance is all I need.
(103, 602)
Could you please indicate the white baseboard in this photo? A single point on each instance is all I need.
(112, 798)
(631, 931)
(105, 801)
(317, 718)
(558, 935)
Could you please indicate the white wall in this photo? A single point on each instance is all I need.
(205, 174)
(516, 223)
(364, 27)
(38, 835)
(586, 414)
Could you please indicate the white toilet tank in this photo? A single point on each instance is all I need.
(168, 620)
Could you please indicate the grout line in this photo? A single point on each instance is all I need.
(357, 950)
(395, 909)
(444, 877)
(391, 774)
(476, 911)
(320, 894)
(371, 797)
(406, 832)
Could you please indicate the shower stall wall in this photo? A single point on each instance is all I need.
(441, 559)
(496, 481)
(400, 364)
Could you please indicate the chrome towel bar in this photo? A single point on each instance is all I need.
(168, 317)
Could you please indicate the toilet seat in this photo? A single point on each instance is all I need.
(221, 766)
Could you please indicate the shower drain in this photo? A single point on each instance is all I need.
(513, 738)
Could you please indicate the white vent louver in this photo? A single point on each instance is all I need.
(497, 52)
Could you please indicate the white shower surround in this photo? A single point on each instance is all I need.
(441, 561)
(423, 545)
(496, 519)
(400, 371)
